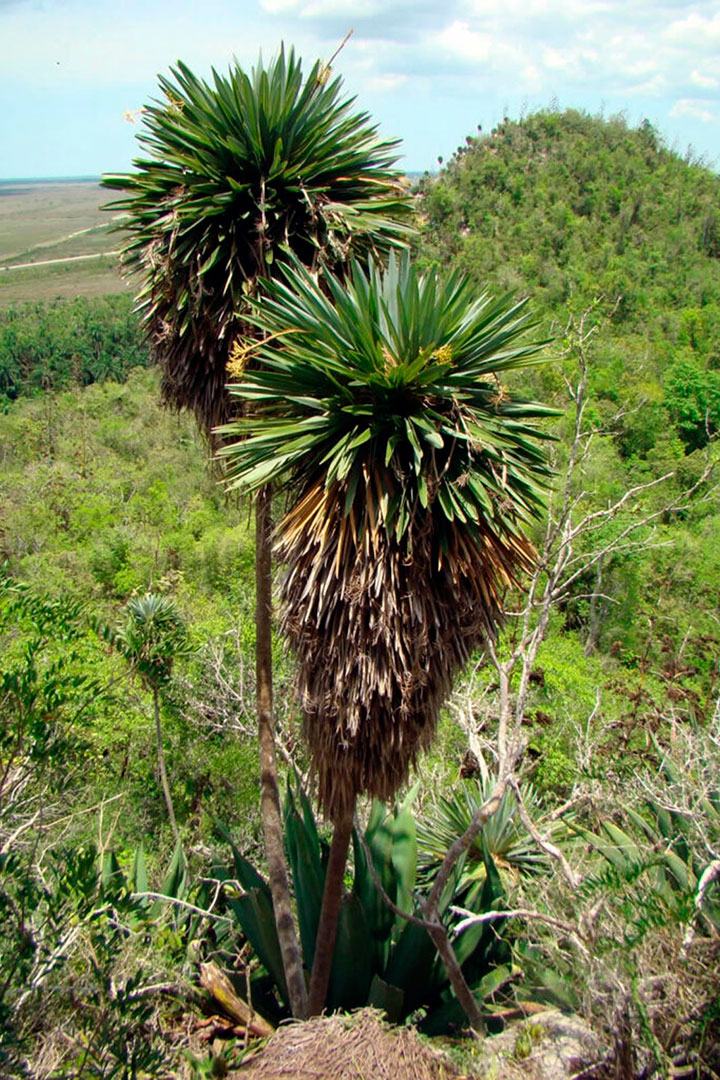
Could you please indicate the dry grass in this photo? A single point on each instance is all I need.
(42, 224)
(357, 1047)
(33, 214)
(97, 277)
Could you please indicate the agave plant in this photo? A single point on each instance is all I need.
(410, 469)
(381, 959)
(664, 847)
(239, 172)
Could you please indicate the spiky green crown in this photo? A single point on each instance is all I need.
(153, 636)
(393, 375)
(239, 172)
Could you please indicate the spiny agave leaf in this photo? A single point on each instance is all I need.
(622, 841)
(609, 851)
(245, 873)
(388, 998)
(413, 965)
(303, 850)
(351, 972)
(111, 876)
(679, 869)
(404, 856)
(379, 838)
(494, 980)
(175, 882)
(139, 878)
(254, 913)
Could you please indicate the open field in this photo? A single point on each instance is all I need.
(56, 241)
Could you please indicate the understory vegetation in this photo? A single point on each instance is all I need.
(131, 867)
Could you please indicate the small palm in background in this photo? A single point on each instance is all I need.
(503, 835)
(152, 637)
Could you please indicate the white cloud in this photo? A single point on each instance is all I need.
(547, 10)
(322, 9)
(383, 84)
(696, 108)
(557, 60)
(654, 87)
(280, 7)
(708, 82)
(694, 29)
(470, 44)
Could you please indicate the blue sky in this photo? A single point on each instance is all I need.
(430, 71)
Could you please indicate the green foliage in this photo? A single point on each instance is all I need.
(241, 172)
(43, 692)
(105, 494)
(567, 205)
(51, 346)
(511, 847)
(664, 848)
(692, 397)
(152, 637)
(65, 907)
(82, 921)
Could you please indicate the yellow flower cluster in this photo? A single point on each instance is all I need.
(443, 355)
(237, 359)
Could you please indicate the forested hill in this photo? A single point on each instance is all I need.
(567, 207)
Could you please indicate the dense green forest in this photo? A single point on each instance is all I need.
(50, 346)
(107, 498)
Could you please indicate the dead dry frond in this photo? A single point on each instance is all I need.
(380, 626)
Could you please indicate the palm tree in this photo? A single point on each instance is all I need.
(151, 639)
(243, 173)
(410, 469)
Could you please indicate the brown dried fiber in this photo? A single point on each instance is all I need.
(380, 627)
(357, 1047)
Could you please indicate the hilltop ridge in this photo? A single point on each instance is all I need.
(569, 207)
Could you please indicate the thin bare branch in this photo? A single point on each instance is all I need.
(470, 918)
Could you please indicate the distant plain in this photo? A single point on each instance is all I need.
(55, 241)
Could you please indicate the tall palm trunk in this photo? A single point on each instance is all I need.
(330, 913)
(161, 766)
(270, 795)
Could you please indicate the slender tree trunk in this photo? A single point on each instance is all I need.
(270, 795)
(594, 614)
(329, 914)
(439, 938)
(161, 765)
